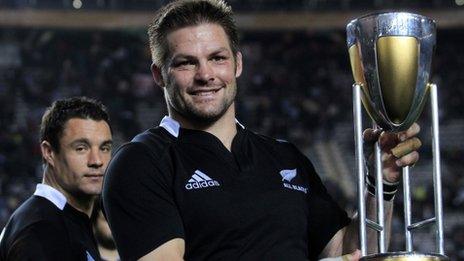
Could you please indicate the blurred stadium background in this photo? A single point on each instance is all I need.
(296, 85)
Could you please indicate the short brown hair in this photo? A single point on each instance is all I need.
(56, 116)
(183, 13)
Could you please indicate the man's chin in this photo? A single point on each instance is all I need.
(203, 116)
(92, 192)
(206, 118)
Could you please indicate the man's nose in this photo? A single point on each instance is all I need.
(95, 159)
(204, 72)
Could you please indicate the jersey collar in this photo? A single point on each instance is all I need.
(173, 127)
(52, 194)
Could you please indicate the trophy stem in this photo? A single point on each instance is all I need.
(359, 154)
(436, 170)
(407, 208)
(379, 196)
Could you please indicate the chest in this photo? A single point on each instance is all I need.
(81, 240)
(240, 190)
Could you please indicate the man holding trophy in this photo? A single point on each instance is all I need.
(201, 186)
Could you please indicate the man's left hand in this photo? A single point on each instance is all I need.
(402, 144)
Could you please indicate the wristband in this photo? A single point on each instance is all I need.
(389, 188)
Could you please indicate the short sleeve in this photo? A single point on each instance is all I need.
(139, 203)
(326, 216)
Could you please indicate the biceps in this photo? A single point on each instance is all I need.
(171, 250)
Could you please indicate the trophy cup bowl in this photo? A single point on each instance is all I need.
(391, 55)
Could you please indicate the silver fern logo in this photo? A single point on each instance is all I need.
(288, 174)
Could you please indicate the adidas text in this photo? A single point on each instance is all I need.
(202, 184)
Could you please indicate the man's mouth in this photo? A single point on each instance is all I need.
(93, 175)
(204, 92)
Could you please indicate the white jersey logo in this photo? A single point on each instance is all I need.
(287, 176)
(200, 180)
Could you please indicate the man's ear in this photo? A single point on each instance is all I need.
(157, 75)
(47, 152)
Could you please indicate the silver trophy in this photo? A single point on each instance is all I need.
(391, 55)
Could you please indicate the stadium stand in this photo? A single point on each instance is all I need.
(296, 85)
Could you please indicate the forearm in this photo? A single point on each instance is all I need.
(173, 250)
(351, 237)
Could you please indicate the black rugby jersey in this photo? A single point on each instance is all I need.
(260, 201)
(45, 227)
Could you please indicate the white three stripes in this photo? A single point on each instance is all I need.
(199, 176)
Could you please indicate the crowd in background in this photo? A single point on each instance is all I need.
(295, 86)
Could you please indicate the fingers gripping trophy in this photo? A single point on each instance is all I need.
(391, 55)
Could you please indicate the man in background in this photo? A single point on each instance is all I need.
(54, 224)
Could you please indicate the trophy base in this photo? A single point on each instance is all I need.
(405, 256)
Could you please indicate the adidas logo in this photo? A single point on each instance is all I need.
(200, 180)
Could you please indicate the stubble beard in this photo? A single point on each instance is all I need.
(86, 193)
(197, 116)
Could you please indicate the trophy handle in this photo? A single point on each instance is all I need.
(359, 155)
(437, 170)
(438, 219)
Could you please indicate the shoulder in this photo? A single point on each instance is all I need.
(140, 161)
(152, 142)
(33, 210)
(41, 240)
(283, 151)
(35, 226)
(156, 139)
(278, 146)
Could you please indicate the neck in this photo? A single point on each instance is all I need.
(224, 128)
(82, 203)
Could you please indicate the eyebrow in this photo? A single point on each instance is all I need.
(86, 141)
(220, 50)
(107, 142)
(188, 56)
(83, 140)
(182, 56)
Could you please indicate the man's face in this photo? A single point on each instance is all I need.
(85, 150)
(200, 72)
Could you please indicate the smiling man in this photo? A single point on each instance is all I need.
(54, 223)
(201, 186)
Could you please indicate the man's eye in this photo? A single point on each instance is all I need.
(183, 64)
(106, 148)
(219, 58)
(81, 148)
